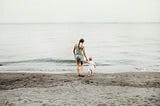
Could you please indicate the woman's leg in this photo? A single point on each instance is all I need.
(82, 64)
(78, 68)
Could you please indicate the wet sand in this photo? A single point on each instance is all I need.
(35, 89)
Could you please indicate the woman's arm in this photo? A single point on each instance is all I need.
(74, 50)
(84, 52)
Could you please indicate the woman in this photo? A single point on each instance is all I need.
(79, 53)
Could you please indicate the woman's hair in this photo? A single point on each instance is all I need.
(80, 41)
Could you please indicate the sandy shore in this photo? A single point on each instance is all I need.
(31, 89)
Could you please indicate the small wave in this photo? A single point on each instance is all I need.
(52, 60)
(39, 61)
(49, 60)
(100, 64)
(97, 64)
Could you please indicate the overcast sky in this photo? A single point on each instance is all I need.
(50, 11)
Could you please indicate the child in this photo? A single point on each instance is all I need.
(92, 65)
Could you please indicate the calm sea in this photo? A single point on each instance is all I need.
(48, 47)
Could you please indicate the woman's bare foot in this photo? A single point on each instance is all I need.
(81, 75)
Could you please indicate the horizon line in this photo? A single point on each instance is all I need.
(80, 23)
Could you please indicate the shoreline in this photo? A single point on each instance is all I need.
(46, 89)
(74, 72)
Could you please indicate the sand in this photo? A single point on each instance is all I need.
(125, 89)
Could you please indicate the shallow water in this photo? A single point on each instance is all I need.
(48, 47)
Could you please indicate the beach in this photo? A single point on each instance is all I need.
(45, 46)
(39, 89)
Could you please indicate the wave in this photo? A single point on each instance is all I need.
(40, 60)
(49, 60)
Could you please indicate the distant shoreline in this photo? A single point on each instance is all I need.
(87, 23)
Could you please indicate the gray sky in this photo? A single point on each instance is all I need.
(46, 11)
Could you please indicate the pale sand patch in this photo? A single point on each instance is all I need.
(76, 94)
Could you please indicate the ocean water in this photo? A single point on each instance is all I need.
(48, 47)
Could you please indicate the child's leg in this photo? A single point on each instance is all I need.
(89, 72)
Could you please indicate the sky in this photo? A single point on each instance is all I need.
(59, 11)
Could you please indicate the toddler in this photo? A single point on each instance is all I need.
(92, 65)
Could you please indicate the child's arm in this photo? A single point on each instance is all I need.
(94, 65)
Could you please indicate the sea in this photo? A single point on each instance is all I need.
(48, 47)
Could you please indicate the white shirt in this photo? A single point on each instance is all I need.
(91, 65)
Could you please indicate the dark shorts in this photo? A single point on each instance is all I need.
(79, 57)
